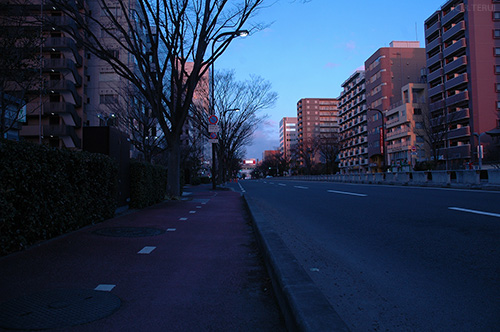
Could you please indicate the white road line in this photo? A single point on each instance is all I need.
(192, 211)
(198, 207)
(476, 212)
(171, 229)
(346, 193)
(146, 250)
(104, 287)
(282, 184)
(300, 187)
(183, 219)
(241, 188)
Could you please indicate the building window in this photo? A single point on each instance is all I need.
(498, 105)
(496, 33)
(108, 99)
(497, 86)
(497, 51)
(497, 69)
(496, 16)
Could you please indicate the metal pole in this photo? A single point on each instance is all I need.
(383, 133)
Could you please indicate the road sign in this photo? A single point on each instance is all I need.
(213, 128)
(213, 135)
(213, 141)
(413, 148)
(213, 119)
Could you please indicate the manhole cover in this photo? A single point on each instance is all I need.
(56, 309)
(129, 231)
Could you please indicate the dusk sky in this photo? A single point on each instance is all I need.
(312, 47)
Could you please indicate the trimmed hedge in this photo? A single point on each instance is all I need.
(148, 184)
(46, 192)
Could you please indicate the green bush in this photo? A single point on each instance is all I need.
(148, 184)
(46, 192)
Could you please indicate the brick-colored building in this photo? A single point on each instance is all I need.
(316, 118)
(386, 72)
(463, 58)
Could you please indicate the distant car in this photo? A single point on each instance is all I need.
(269, 176)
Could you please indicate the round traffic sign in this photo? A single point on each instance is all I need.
(213, 119)
(413, 148)
(213, 135)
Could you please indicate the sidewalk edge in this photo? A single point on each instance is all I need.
(304, 306)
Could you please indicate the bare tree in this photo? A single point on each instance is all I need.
(20, 41)
(329, 148)
(237, 105)
(161, 37)
(307, 152)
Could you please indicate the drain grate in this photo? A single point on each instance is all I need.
(129, 231)
(57, 309)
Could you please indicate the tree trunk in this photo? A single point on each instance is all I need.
(173, 178)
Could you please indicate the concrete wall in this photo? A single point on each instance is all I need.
(487, 179)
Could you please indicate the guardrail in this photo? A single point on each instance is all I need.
(486, 179)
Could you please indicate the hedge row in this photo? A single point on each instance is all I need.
(46, 192)
(148, 184)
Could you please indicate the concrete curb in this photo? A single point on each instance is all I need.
(304, 306)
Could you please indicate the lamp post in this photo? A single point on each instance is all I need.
(107, 118)
(383, 134)
(479, 149)
(232, 34)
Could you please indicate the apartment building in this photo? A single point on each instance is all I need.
(386, 72)
(353, 125)
(317, 119)
(288, 136)
(56, 117)
(462, 44)
(406, 135)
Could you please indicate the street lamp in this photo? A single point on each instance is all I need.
(232, 34)
(383, 133)
(107, 118)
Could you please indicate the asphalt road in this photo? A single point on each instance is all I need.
(393, 258)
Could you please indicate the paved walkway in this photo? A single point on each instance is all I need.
(189, 265)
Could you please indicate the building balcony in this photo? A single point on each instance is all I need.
(62, 43)
(456, 64)
(433, 44)
(65, 88)
(435, 75)
(435, 59)
(397, 134)
(459, 80)
(459, 132)
(398, 147)
(459, 27)
(62, 65)
(459, 115)
(56, 22)
(432, 29)
(459, 45)
(460, 9)
(457, 152)
(458, 98)
(436, 90)
(437, 105)
(64, 110)
(65, 133)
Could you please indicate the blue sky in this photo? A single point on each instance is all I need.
(311, 48)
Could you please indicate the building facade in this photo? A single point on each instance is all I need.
(317, 119)
(406, 137)
(462, 41)
(353, 125)
(387, 71)
(288, 136)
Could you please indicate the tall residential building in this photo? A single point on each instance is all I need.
(353, 125)
(463, 58)
(317, 118)
(405, 132)
(61, 107)
(386, 72)
(288, 136)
